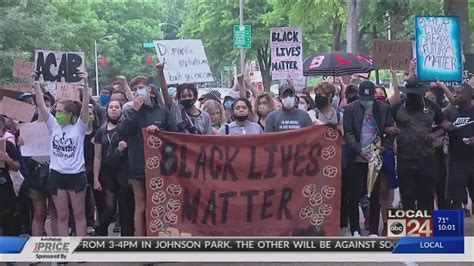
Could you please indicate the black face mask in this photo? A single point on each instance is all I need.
(320, 101)
(241, 118)
(187, 103)
(414, 102)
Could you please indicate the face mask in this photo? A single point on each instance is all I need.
(303, 107)
(187, 103)
(104, 100)
(62, 119)
(367, 104)
(241, 118)
(263, 109)
(414, 102)
(288, 102)
(380, 98)
(321, 101)
(228, 104)
(142, 93)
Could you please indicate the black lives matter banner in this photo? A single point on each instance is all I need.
(322, 244)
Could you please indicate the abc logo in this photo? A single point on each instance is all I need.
(396, 228)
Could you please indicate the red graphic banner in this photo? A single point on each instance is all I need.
(278, 184)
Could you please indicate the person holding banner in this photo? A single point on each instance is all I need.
(187, 117)
(364, 120)
(145, 112)
(217, 113)
(289, 117)
(263, 106)
(325, 113)
(241, 110)
(67, 177)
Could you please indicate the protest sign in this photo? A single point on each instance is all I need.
(282, 184)
(287, 53)
(3, 146)
(298, 83)
(185, 61)
(66, 91)
(438, 48)
(19, 87)
(20, 111)
(392, 54)
(52, 87)
(23, 68)
(59, 66)
(37, 139)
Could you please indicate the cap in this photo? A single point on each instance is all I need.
(216, 93)
(366, 90)
(414, 85)
(24, 96)
(209, 96)
(232, 94)
(284, 88)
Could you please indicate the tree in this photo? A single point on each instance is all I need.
(460, 8)
(354, 8)
(265, 63)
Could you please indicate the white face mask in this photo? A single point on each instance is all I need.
(288, 102)
(302, 107)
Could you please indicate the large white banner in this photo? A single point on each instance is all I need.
(185, 61)
(287, 53)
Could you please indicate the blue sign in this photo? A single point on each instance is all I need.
(10, 244)
(430, 245)
(438, 48)
(448, 223)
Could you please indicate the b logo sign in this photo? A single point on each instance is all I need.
(396, 228)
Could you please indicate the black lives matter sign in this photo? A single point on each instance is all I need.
(56, 66)
(287, 53)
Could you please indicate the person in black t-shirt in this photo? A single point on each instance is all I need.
(461, 146)
(9, 224)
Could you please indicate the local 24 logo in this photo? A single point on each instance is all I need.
(409, 223)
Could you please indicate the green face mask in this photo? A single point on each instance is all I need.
(62, 119)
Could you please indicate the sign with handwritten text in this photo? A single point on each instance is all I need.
(185, 61)
(18, 110)
(37, 139)
(438, 48)
(66, 91)
(59, 66)
(287, 53)
(23, 68)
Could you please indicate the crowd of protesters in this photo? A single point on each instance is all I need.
(95, 176)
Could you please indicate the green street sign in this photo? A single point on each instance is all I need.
(242, 36)
(148, 45)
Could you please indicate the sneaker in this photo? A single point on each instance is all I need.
(373, 235)
(345, 231)
(356, 234)
(90, 231)
(467, 213)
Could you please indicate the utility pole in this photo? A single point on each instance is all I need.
(242, 53)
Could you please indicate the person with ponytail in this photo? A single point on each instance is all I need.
(67, 178)
(104, 179)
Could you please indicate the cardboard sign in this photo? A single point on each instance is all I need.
(285, 184)
(66, 91)
(185, 61)
(392, 54)
(438, 48)
(299, 83)
(20, 111)
(287, 53)
(37, 139)
(3, 147)
(23, 68)
(59, 66)
(19, 87)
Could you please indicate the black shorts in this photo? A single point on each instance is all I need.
(458, 180)
(75, 182)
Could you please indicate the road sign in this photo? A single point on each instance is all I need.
(148, 45)
(242, 36)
